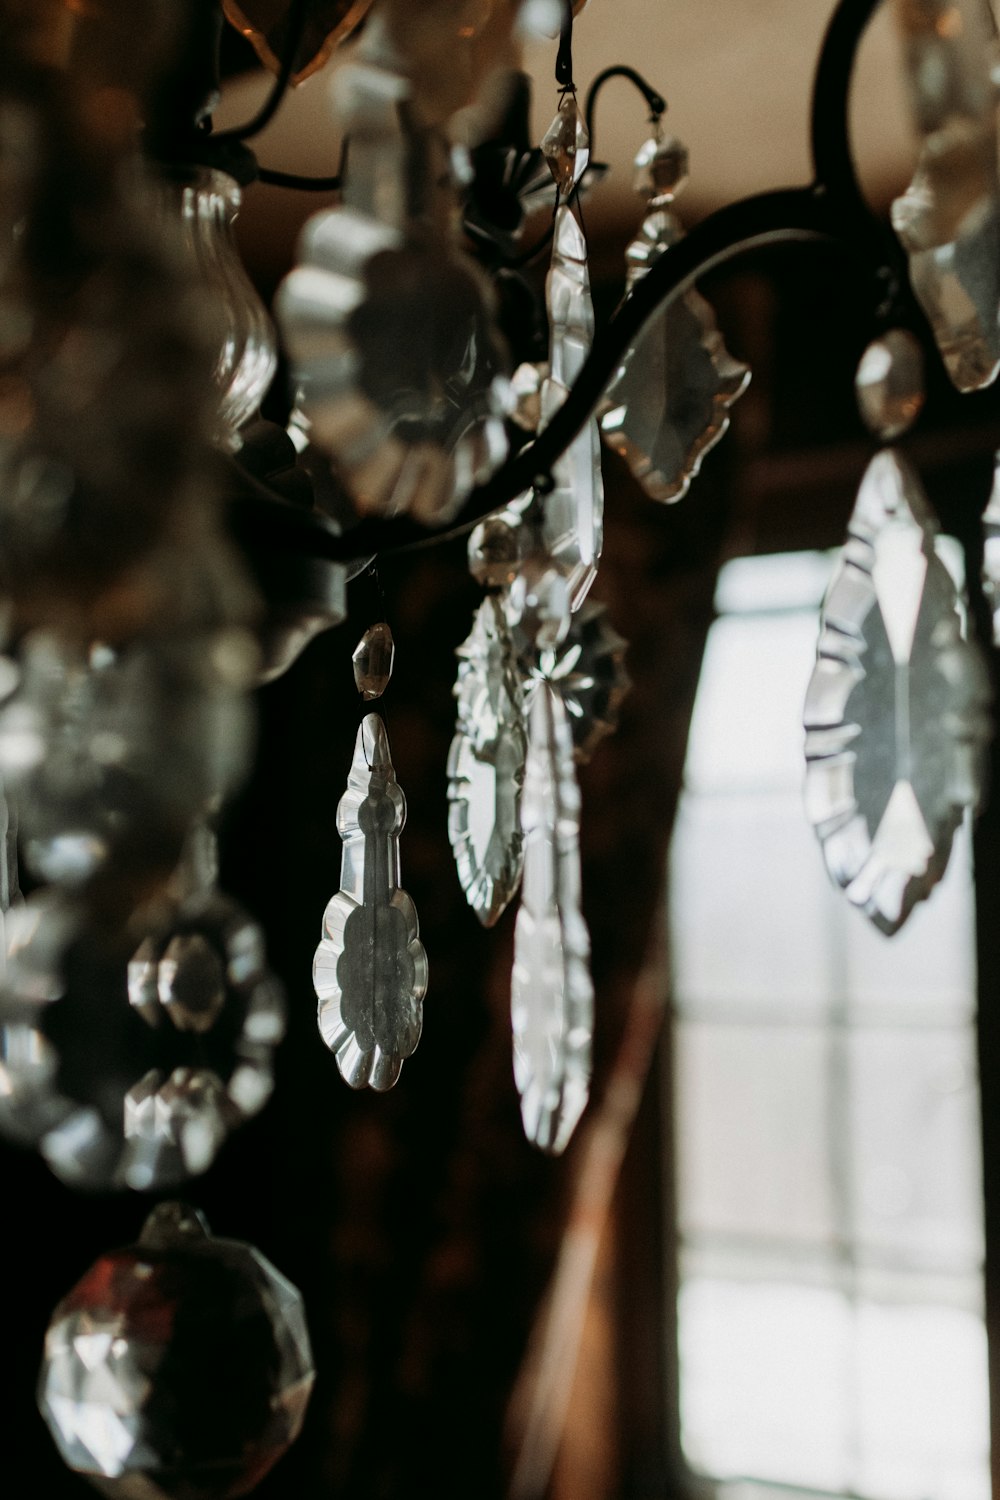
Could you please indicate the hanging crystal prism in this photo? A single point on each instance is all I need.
(889, 384)
(949, 217)
(573, 512)
(486, 767)
(552, 995)
(370, 969)
(897, 709)
(588, 668)
(991, 551)
(566, 145)
(373, 658)
(668, 402)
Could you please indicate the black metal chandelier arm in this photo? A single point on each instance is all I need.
(656, 103)
(788, 215)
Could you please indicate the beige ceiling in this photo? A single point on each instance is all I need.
(737, 74)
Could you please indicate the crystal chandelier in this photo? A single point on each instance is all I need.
(165, 549)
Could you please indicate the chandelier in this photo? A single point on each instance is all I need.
(165, 550)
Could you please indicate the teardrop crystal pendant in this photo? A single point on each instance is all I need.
(668, 403)
(486, 767)
(265, 24)
(370, 969)
(897, 709)
(552, 995)
(949, 217)
(573, 512)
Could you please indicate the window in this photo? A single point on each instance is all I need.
(831, 1329)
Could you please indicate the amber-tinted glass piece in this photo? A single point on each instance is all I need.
(265, 24)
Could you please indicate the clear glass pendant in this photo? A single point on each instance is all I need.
(486, 767)
(178, 1368)
(370, 969)
(991, 552)
(949, 217)
(668, 403)
(573, 512)
(552, 995)
(897, 709)
(246, 340)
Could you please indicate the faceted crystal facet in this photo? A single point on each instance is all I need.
(889, 384)
(588, 668)
(370, 969)
(373, 658)
(537, 607)
(573, 512)
(178, 1368)
(897, 709)
(991, 552)
(949, 216)
(486, 767)
(552, 995)
(668, 403)
(173, 1083)
(566, 146)
(526, 385)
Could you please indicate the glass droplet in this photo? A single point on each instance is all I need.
(373, 659)
(889, 384)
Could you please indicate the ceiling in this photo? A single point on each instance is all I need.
(737, 75)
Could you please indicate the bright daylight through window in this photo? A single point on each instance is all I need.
(830, 1314)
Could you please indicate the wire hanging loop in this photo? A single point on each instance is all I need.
(655, 101)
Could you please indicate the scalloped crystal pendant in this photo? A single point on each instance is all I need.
(896, 714)
(668, 403)
(552, 994)
(486, 767)
(370, 969)
(949, 217)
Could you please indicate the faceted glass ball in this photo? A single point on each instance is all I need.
(178, 1368)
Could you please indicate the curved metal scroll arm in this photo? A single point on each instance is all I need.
(832, 211)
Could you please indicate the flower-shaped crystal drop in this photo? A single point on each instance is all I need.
(189, 1017)
(370, 969)
(486, 767)
(949, 217)
(552, 994)
(178, 1368)
(889, 384)
(588, 668)
(373, 658)
(897, 709)
(566, 145)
